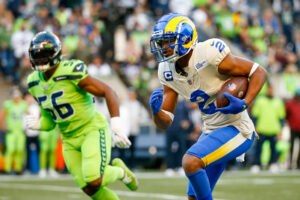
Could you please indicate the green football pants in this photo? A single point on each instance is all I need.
(87, 155)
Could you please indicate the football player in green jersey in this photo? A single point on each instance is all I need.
(11, 122)
(65, 91)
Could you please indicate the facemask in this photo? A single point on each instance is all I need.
(42, 68)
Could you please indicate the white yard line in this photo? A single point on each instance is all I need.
(33, 178)
(158, 175)
(257, 180)
(77, 190)
(244, 173)
(236, 177)
(226, 174)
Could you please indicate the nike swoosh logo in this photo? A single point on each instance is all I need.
(127, 179)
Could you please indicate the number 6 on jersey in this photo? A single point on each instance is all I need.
(64, 110)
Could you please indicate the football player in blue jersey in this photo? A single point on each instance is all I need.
(197, 71)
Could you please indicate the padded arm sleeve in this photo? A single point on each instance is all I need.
(79, 72)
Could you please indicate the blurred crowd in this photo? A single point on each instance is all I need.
(112, 37)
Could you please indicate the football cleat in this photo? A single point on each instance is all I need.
(42, 173)
(129, 178)
(174, 35)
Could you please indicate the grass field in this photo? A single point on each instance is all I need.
(239, 185)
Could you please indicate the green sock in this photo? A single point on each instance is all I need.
(43, 161)
(18, 161)
(52, 159)
(8, 161)
(111, 174)
(105, 193)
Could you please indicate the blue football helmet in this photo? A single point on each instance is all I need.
(174, 31)
(44, 51)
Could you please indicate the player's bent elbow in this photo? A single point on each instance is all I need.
(162, 120)
(262, 73)
(162, 124)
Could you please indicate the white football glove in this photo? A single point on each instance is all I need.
(32, 122)
(119, 139)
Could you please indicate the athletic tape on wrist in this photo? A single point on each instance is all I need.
(171, 115)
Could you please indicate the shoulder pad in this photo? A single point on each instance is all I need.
(33, 79)
(215, 43)
(79, 67)
(70, 66)
(216, 51)
(70, 63)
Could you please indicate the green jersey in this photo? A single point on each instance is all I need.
(60, 96)
(14, 114)
(269, 112)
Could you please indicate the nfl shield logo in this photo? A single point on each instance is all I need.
(45, 87)
(231, 86)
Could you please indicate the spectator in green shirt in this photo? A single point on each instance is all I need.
(268, 113)
(11, 122)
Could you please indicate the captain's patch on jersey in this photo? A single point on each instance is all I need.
(79, 67)
(168, 75)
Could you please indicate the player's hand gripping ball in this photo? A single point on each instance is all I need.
(229, 99)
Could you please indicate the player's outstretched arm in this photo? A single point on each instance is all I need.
(163, 103)
(100, 89)
(236, 66)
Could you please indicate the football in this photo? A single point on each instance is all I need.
(236, 86)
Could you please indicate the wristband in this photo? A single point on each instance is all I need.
(171, 115)
(254, 67)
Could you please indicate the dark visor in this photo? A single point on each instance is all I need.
(42, 53)
(41, 56)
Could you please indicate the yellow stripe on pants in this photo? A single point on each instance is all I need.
(224, 149)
